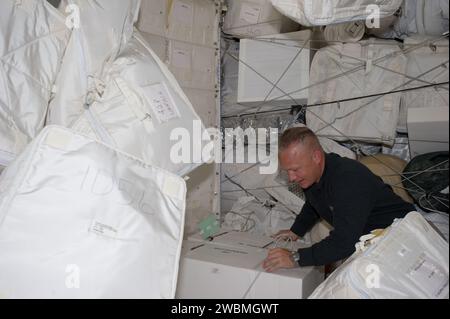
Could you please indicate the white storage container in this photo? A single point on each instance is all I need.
(231, 269)
(428, 130)
(282, 60)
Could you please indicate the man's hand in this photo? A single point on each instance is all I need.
(278, 258)
(285, 235)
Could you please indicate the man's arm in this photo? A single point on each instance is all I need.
(305, 220)
(354, 199)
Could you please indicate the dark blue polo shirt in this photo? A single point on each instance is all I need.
(354, 201)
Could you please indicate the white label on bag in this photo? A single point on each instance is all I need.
(161, 102)
(181, 58)
(103, 229)
(430, 277)
(183, 12)
(250, 13)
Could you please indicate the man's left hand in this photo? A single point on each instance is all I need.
(278, 258)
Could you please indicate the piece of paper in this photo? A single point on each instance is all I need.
(161, 102)
(250, 13)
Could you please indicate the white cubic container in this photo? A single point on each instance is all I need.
(267, 61)
(233, 262)
(428, 130)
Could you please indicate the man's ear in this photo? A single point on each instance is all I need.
(317, 156)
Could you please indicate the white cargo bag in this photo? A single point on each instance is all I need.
(33, 38)
(142, 107)
(253, 18)
(324, 12)
(416, 17)
(410, 260)
(353, 70)
(79, 219)
(100, 29)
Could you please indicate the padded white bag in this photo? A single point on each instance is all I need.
(79, 219)
(144, 112)
(410, 260)
(100, 29)
(252, 18)
(354, 70)
(422, 17)
(33, 37)
(325, 12)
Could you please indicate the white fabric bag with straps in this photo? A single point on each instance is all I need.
(353, 70)
(100, 28)
(325, 12)
(144, 112)
(410, 260)
(33, 37)
(79, 219)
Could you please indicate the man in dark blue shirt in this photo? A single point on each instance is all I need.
(342, 191)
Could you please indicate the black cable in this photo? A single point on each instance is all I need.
(340, 101)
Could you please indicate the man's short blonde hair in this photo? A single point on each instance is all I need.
(299, 135)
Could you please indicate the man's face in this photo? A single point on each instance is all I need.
(303, 165)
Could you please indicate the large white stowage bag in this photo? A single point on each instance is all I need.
(143, 108)
(100, 28)
(324, 12)
(410, 260)
(353, 70)
(253, 18)
(33, 38)
(79, 219)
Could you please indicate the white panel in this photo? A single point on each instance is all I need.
(158, 44)
(194, 66)
(428, 130)
(181, 20)
(204, 102)
(271, 59)
(205, 26)
(153, 17)
(180, 61)
(204, 67)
